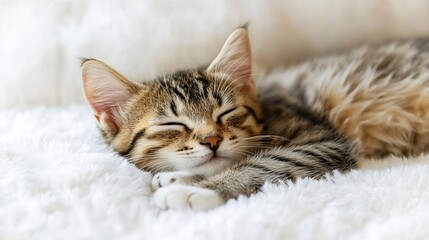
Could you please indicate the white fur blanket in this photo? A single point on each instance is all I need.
(58, 180)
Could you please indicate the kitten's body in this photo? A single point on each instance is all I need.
(377, 96)
(210, 126)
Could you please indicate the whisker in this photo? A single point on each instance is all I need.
(264, 136)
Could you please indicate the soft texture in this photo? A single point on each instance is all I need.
(59, 181)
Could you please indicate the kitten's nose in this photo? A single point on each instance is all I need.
(212, 141)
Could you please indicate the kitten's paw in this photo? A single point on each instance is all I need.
(187, 197)
(168, 178)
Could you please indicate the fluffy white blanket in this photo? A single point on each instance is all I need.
(58, 180)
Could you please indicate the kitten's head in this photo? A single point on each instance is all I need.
(196, 120)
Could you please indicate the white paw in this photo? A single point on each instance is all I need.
(168, 178)
(187, 197)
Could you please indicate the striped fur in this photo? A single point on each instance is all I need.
(377, 96)
(290, 130)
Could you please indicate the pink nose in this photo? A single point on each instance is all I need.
(212, 141)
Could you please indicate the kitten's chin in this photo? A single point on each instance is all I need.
(213, 166)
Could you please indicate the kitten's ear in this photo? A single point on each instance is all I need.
(106, 92)
(235, 60)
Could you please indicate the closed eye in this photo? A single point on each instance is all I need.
(224, 113)
(174, 124)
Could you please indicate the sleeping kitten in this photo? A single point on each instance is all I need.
(211, 134)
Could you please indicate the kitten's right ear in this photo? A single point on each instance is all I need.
(106, 92)
(235, 61)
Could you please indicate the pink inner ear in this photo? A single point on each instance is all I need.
(103, 111)
(106, 92)
(241, 70)
(106, 121)
(106, 100)
(96, 108)
(235, 60)
(243, 75)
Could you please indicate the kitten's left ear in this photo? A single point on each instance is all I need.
(235, 60)
(107, 92)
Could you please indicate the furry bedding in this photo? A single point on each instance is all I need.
(58, 180)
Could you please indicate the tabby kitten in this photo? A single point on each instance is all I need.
(211, 134)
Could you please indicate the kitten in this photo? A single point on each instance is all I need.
(211, 134)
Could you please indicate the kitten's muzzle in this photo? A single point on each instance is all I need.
(212, 141)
